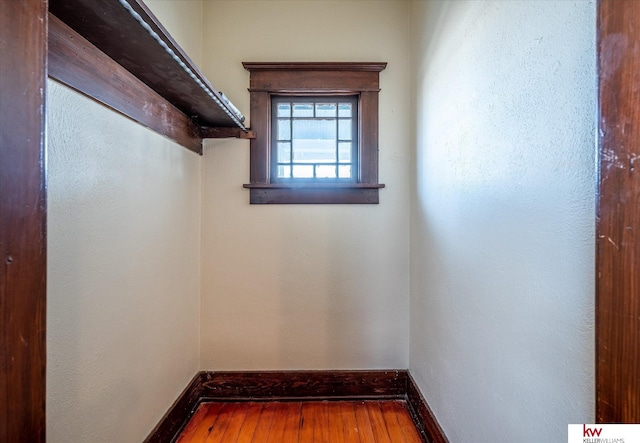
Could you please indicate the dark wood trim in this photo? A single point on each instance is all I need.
(152, 55)
(313, 185)
(298, 385)
(226, 133)
(310, 195)
(23, 209)
(314, 82)
(315, 66)
(618, 214)
(422, 415)
(259, 154)
(178, 414)
(368, 146)
(304, 384)
(77, 63)
(354, 79)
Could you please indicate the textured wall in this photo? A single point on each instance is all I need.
(286, 286)
(123, 283)
(502, 234)
(123, 271)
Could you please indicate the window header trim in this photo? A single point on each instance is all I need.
(315, 66)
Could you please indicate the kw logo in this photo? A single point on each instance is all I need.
(591, 432)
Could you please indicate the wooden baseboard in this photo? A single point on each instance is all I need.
(275, 385)
(423, 417)
(178, 414)
(298, 385)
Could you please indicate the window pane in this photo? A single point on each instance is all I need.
(284, 152)
(314, 141)
(284, 171)
(284, 129)
(325, 171)
(344, 152)
(344, 129)
(284, 109)
(314, 151)
(325, 109)
(344, 171)
(344, 110)
(314, 129)
(303, 171)
(303, 109)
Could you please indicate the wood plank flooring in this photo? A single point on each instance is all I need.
(368, 421)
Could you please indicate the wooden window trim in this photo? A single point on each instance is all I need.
(305, 79)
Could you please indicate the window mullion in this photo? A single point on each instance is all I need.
(315, 165)
(290, 140)
(337, 158)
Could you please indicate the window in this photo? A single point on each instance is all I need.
(314, 139)
(316, 127)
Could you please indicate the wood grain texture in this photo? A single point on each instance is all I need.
(250, 424)
(226, 133)
(259, 169)
(225, 416)
(194, 424)
(618, 214)
(336, 432)
(378, 425)
(178, 414)
(208, 422)
(368, 156)
(307, 387)
(308, 413)
(387, 421)
(78, 64)
(23, 54)
(113, 30)
(303, 384)
(321, 77)
(349, 422)
(312, 195)
(264, 422)
(423, 417)
(315, 66)
(364, 423)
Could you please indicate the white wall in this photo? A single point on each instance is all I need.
(502, 223)
(123, 272)
(183, 20)
(498, 263)
(305, 286)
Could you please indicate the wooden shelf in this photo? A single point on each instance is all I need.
(129, 34)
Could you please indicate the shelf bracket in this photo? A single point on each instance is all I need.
(208, 132)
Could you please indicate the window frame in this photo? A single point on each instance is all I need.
(314, 80)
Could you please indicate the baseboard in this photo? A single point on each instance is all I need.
(423, 417)
(178, 414)
(275, 385)
(297, 385)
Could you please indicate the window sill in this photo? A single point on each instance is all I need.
(314, 193)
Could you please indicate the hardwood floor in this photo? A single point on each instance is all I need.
(365, 421)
